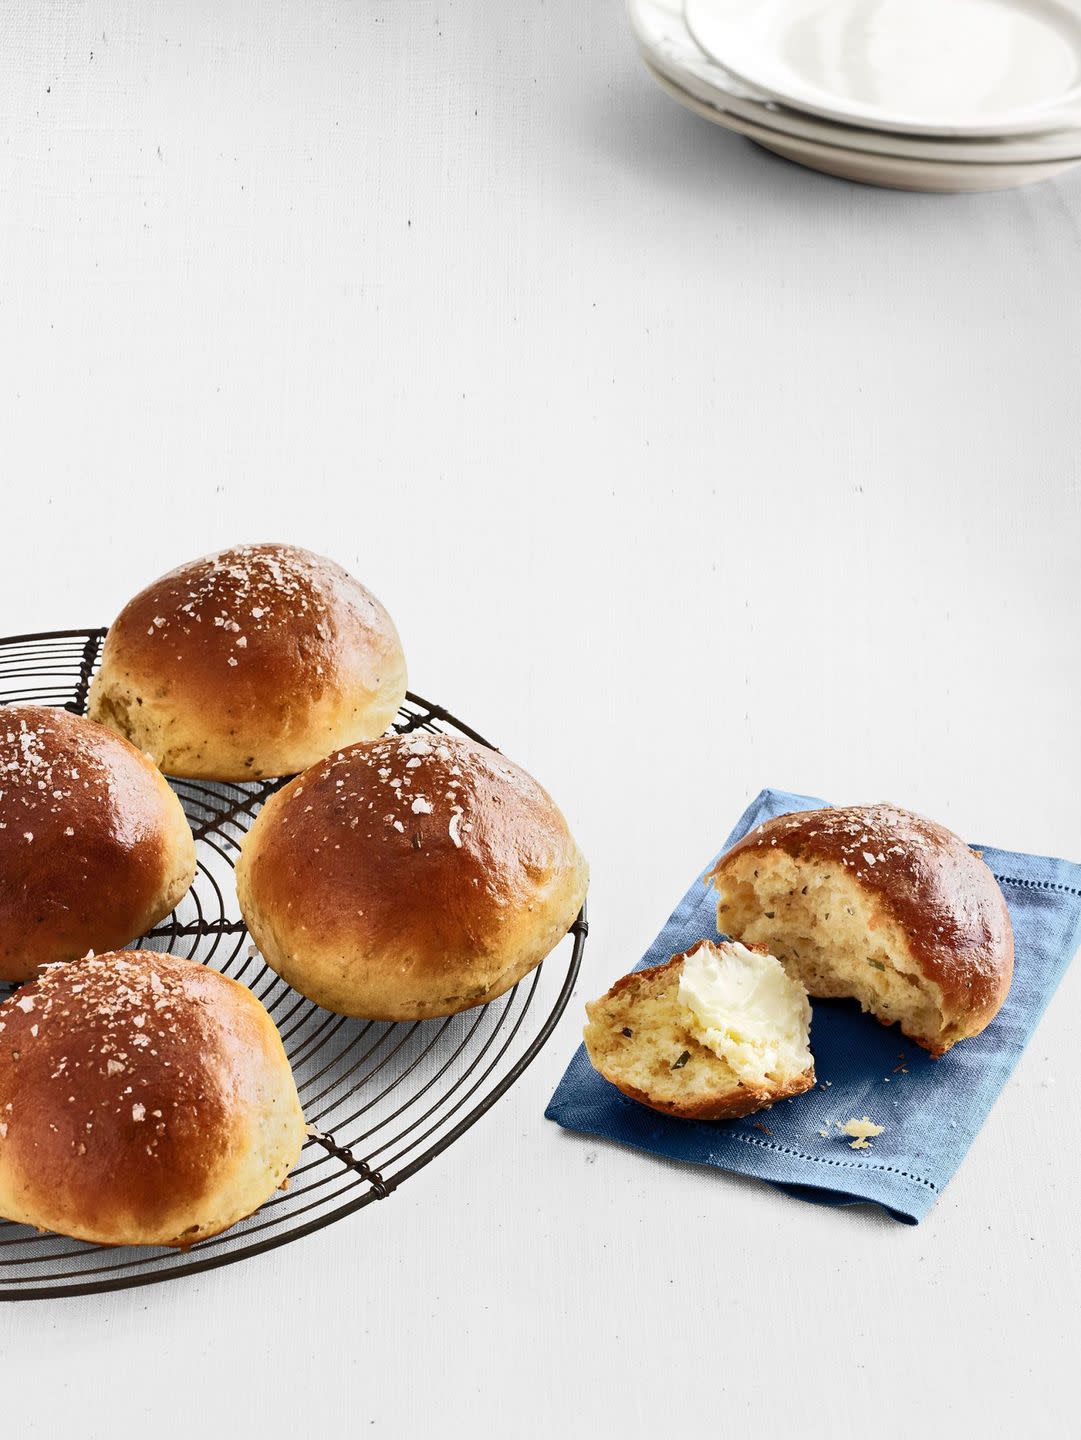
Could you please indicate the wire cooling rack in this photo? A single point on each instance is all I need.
(384, 1099)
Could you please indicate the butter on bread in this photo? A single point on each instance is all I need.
(713, 1034)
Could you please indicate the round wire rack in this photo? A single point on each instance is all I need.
(381, 1099)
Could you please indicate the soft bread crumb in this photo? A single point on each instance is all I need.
(862, 1132)
(832, 934)
(648, 1044)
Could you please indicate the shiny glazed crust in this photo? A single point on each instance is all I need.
(94, 846)
(409, 877)
(144, 1100)
(253, 662)
(923, 878)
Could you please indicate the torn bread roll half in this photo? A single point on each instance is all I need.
(719, 1032)
(876, 904)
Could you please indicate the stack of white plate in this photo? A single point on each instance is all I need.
(944, 95)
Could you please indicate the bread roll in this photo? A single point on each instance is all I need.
(409, 877)
(144, 1100)
(94, 846)
(878, 904)
(256, 661)
(716, 1033)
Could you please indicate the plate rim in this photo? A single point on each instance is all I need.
(1034, 119)
(698, 75)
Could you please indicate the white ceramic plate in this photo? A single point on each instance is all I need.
(894, 172)
(931, 67)
(668, 46)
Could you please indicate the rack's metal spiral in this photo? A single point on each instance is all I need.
(382, 1099)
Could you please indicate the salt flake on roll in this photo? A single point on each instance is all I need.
(144, 1100)
(94, 846)
(409, 877)
(252, 662)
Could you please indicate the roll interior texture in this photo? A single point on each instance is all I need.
(877, 904)
(725, 1041)
(409, 877)
(144, 1100)
(252, 662)
(94, 845)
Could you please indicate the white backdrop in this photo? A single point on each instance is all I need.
(683, 472)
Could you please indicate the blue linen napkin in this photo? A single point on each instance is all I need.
(931, 1109)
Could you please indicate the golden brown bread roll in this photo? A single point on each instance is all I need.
(94, 846)
(409, 877)
(879, 904)
(144, 1100)
(255, 661)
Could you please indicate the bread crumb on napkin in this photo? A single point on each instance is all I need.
(862, 1132)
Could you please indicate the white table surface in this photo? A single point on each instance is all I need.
(683, 472)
